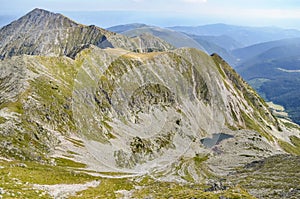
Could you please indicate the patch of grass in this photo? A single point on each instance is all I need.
(77, 143)
(36, 173)
(199, 159)
(2, 120)
(184, 191)
(295, 140)
(251, 124)
(17, 178)
(68, 163)
(72, 153)
(291, 125)
(106, 189)
(290, 148)
(16, 107)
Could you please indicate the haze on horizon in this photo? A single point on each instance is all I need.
(104, 13)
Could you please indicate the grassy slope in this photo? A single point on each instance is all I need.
(17, 180)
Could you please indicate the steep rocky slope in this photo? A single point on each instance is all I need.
(41, 32)
(136, 125)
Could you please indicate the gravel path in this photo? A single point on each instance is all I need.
(59, 191)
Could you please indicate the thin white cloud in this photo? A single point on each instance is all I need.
(194, 1)
(257, 13)
(276, 13)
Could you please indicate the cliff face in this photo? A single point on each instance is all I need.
(174, 115)
(41, 32)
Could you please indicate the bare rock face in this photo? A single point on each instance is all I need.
(41, 32)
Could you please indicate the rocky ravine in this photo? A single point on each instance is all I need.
(176, 116)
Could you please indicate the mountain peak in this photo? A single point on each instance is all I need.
(42, 18)
(39, 11)
(41, 32)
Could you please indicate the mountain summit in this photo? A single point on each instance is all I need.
(41, 32)
(39, 19)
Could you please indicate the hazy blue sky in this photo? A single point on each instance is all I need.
(284, 13)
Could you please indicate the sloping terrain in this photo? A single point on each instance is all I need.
(210, 44)
(126, 27)
(175, 38)
(268, 48)
(224, 41)
(273, 70)
(222, 45)
(119, 123)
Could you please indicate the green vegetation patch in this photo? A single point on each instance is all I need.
(2, 120)
(154, 189)
(17, 178)
(291, 125)
(77, 143)
(69, 163)
(251, 124)
(107, 189)
(293, 148)
(16, 107)
(295, 140)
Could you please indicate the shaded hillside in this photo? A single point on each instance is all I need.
(174, 38)
(221, 45)
(284, 47)
(242, 34)
(274, 72)
(126, 27)
(223, 41)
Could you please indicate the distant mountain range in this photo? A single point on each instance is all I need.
(242, 34)
(273, 69)
(248, 52)
(175, 38)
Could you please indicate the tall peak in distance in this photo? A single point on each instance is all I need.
(39, 11)
(39, 18)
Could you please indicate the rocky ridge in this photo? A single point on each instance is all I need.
(41, 32)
